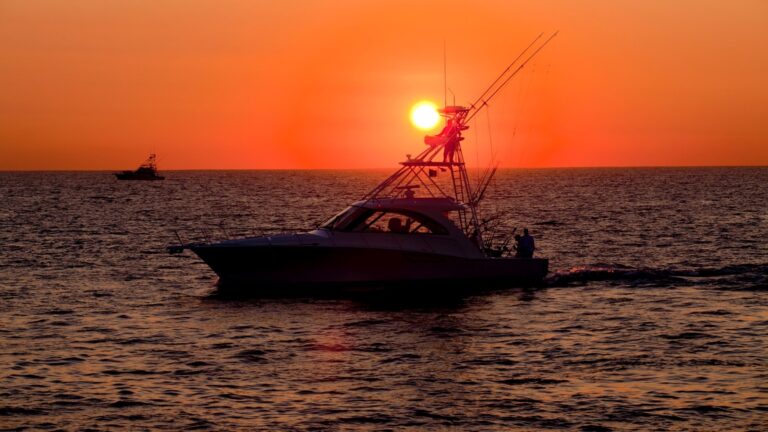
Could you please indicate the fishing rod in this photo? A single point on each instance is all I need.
(483, 185)
(475, 109)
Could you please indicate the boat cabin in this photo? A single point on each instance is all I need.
(410, 223)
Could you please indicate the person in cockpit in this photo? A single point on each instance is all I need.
(395, 225)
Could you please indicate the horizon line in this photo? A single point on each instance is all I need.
(390, 167)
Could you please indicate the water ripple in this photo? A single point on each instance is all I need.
(654, 316)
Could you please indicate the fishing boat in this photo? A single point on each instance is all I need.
(146, 171)
(419, 227)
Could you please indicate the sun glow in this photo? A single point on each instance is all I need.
(424, 115)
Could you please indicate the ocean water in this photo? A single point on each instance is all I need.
(654, 316)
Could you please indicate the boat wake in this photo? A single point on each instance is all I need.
(750, 277)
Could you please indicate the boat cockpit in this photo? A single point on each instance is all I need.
(397, 216)
(418, 224)
(393, 221)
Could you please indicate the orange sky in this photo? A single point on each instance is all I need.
(329, 84)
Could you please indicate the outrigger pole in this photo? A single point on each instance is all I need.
(501, 75)
(474, 108)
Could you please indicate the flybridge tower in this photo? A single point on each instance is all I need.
(416, 179)
(417, 176)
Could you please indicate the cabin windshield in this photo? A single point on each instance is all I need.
(394, 222)
(342, 219)
(356, 219)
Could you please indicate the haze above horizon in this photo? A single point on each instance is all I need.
(89, 85)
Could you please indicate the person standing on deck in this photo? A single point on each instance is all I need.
(449, 132)
(525, 245)
(449, 149)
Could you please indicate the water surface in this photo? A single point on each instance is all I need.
(654, 316)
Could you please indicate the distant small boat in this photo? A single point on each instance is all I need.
(146, 171)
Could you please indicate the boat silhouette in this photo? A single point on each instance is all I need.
(146, 171)
(420, 226)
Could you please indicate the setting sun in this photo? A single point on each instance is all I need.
(424, 115)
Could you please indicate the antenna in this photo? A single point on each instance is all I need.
(454, 96)
(445, 74)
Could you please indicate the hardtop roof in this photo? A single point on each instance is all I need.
(439, 204)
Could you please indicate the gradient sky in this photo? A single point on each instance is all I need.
(329, 84)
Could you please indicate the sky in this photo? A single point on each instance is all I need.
(305, 84)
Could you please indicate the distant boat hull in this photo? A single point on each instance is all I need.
(265, 268)
(131, 175)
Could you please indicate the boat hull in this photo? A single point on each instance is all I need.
(132, 176)
(267, 268)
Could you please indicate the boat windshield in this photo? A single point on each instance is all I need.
(356, 219)
(342, 219)
(394, 222)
